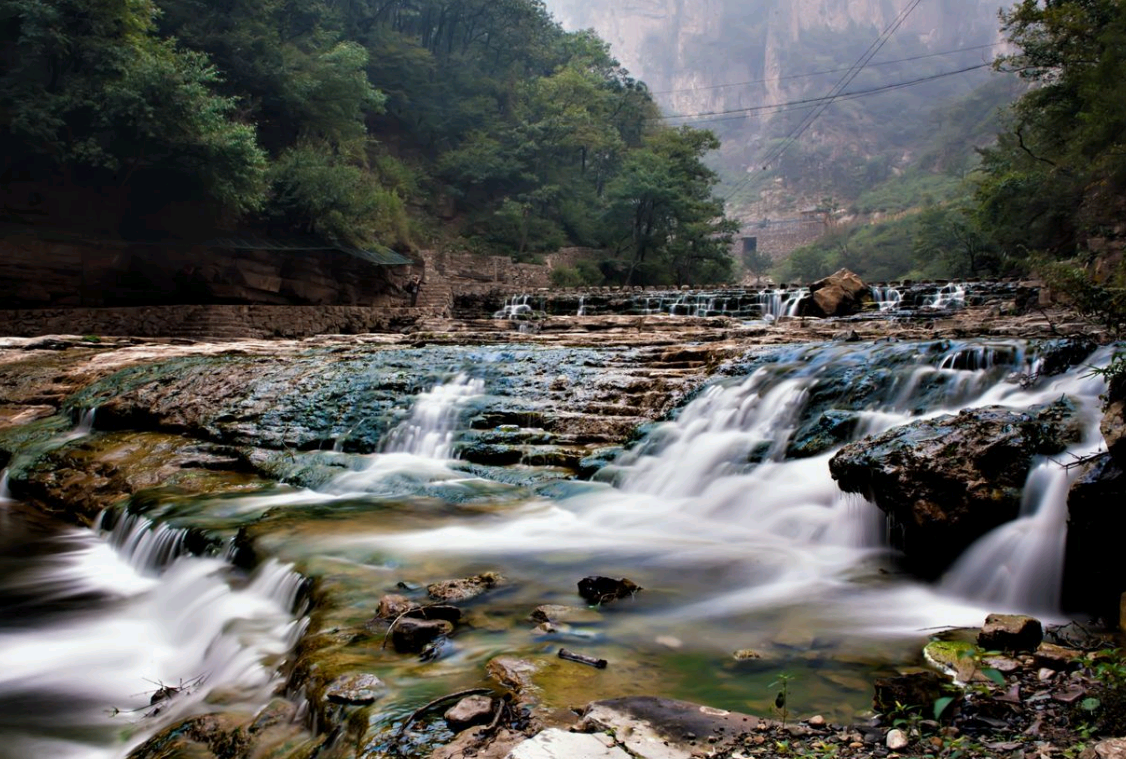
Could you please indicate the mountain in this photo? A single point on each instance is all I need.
(728, 64)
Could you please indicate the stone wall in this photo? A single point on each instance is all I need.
(466, 272)
(205, 321)
(41, 271)
(779, 239)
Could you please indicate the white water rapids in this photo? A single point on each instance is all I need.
(94, 624)
(737, 544)
(689, 504)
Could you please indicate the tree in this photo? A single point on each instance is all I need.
(1059, 171)
(663, 194)
(90, 91)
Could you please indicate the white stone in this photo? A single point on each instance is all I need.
(897, 739)
(554, 743)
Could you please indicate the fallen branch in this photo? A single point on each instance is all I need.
(436, 702)
(590, 661)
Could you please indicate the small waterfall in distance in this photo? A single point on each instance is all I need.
(429, 430)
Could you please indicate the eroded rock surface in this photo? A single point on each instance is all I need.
(947, 481)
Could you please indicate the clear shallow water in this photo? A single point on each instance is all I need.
(737, 544)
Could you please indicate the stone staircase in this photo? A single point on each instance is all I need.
(435, 298)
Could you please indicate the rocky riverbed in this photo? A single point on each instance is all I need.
(444, 491)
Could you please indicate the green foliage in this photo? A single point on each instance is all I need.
(344, 120)
(89, 90)
(1059, 171)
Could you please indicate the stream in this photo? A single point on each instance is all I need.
(723, 514)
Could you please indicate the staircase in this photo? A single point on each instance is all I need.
(435, 298)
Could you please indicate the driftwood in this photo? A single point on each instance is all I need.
(590, 661)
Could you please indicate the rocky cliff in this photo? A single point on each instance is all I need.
(720, 56)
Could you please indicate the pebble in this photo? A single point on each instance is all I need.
(816, 721)
(897, 739)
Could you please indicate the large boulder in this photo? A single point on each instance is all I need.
(947, 481)
(1094, 573)
(839, 294)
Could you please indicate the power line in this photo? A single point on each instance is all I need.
(834, 93)
(707, 117)
(829, 71)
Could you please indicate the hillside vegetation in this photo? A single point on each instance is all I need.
(478, 123)
(1051, 187)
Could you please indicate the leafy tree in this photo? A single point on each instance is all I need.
(1058, 171)
(88, 90)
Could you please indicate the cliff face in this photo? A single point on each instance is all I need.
(692, 44)
(709, 56)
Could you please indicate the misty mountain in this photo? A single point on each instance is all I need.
(743, 69)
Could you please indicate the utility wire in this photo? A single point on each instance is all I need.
(829, 71)
(836, 91)
(711, 116)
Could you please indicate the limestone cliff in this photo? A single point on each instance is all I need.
(719, 56)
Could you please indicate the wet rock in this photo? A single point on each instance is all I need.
(560, 613)
(514, 674)
(912, 689)
(839, 294)
(469, 712)
(1094, 574)
(393, 605)
(827, 431)
(464, 588)
(603, 590)
(450, 614)
(1010, 632)
(1057, 657)
(662, 728)
(480, 743)
(357, 689)
(897, 740)
(747, 654)
(947, 481)
(411, 636)
(554, 743)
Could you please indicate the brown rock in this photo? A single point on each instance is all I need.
(358, 689)
(1057, 657)
(393, 605)
(463, 589)
(839, 294)
(1010, 632)
(410, 636)
(469, 712)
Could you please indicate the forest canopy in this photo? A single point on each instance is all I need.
(395, 122)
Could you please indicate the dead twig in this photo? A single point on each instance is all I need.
(436, 702)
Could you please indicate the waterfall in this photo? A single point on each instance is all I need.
(582, 306)
(429, 431)
(515, 307)
(949, 296)
(886, 298)
(719, 486)
(5, 492)
(148, 547)
(1019, 565)
(87, 633)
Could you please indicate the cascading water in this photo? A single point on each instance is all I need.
(886, 298)
(5, 492)
(718, 490)
(1019, 565)
(91, 627)
(430, 429)
(415, 450)
(515, 307)
(949, 296)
